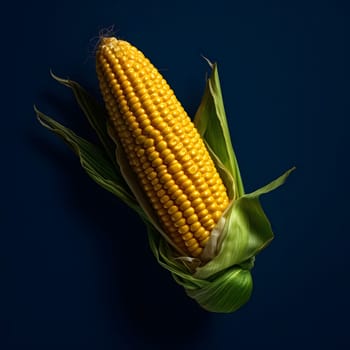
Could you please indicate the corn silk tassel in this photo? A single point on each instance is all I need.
(180, 176)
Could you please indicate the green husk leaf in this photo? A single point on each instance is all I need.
(246, 231)
(224, 293)
(211, 122)
(93, 160)
(94, 113)
(224, 284)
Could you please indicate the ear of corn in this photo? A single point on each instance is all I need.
(220, 281)
(162, 145)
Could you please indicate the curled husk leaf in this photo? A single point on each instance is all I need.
(221, 281)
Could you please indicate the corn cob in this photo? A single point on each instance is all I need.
(162, 145)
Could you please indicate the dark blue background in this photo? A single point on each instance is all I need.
(75, 267)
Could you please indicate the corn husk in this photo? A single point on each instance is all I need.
(221, 280)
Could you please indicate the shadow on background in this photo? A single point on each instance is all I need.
(142, 296)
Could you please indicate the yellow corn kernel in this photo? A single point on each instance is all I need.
(162, 145)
